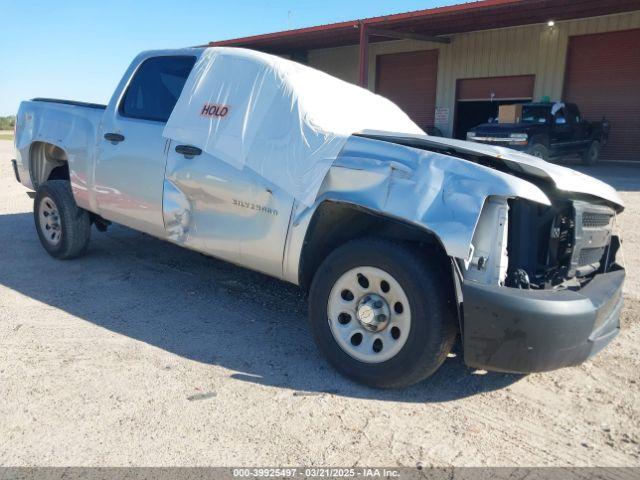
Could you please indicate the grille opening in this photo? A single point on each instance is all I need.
(590, 256)
(554, 244)
(595, 220)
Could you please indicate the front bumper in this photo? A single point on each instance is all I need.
(523, 331)
(501, 142)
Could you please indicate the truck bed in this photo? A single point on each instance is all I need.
(72, 126)
(98, 106)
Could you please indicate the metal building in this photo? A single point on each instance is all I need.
(450, 67)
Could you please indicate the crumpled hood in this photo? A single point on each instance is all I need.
(565, 179)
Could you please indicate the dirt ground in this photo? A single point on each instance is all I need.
(142, 353)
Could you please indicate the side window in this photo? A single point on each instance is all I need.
(155, 88)
(574, 113)
(560, 117)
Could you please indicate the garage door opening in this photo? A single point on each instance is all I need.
(478, 99)
(473, 113)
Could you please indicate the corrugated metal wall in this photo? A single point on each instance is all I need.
(603, 78)
(410, 80)
(534, 49)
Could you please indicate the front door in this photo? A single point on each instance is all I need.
(580, 135)
(233, 214)
(132, 152)
(561, 131)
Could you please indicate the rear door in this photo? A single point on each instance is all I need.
(132, 152)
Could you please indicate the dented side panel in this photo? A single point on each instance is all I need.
(232, 214)
(440, 193)
(237, 215)
(176, 212)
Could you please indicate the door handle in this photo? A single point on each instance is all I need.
(188, 151)
(114, 137)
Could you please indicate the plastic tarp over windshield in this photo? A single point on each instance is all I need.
(286, 121)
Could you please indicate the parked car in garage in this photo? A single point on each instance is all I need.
(403, 240)
(547, 130)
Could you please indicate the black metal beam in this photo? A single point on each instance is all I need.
(383, 32)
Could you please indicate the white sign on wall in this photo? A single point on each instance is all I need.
(442, 116)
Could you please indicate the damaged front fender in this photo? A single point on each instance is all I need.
(440, 193)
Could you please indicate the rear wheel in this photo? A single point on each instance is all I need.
(64, 228)
(592, 154)
(381, 313)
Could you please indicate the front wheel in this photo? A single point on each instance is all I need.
(539, 150)
(64, 228)
(381, 313)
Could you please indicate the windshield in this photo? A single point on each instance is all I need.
(535, 114)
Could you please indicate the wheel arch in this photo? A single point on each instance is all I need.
(47, 162)
(541, 138)
(334, 223)
(598, 135)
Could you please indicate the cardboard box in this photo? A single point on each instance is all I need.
(509, 113)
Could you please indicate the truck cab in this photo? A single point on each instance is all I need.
(126, 172)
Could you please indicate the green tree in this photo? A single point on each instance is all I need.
(7, 123)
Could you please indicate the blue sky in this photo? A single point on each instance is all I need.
(79, 49)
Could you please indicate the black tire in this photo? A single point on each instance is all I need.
(592, 154)
(434, 132)
(73, 223)
(433, 319)
(539, 150)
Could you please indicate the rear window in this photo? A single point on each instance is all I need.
(535, 114)
(155, 88)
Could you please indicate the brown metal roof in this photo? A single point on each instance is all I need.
(466, 17)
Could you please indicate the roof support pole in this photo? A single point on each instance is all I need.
(364, 56)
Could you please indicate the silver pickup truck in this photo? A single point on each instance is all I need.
(412, 241)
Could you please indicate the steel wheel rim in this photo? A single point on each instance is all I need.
(374, 346)
(49, 218)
